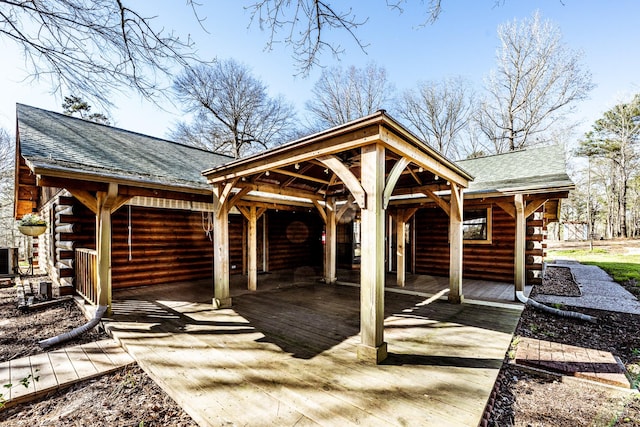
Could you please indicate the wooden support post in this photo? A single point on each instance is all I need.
(455, 245)
(400, 248)
(372, 347)
(104, 202)
(221, 294)
(330, 251)
(252, 243)
(519, 270)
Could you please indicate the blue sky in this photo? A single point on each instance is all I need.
(462, 42)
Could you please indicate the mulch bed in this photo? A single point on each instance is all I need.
(526, 399)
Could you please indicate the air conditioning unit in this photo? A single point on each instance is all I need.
(8, 261)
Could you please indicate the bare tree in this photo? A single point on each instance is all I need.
(232, 111)
(7, 223)
(439, 112)
(537, 83)
(92, 47)
(305, 22)
(342, 95)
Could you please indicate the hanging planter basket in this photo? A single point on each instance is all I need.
(32, 230)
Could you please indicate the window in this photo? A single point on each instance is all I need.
(476, 225)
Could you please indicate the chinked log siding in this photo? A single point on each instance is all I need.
(494, 261)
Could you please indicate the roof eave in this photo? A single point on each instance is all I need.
(57, 171)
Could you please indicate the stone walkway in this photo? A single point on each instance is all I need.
(586, 363)
(37, 375)
(599, 291)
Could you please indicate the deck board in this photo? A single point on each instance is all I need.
(43, 370)
(287, 357)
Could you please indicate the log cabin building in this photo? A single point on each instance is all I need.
(125, 209)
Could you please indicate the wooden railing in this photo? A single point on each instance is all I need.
(86, 279)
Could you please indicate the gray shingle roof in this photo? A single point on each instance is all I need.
(55, 141)
(531, 169)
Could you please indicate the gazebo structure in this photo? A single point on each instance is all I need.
(373, 163)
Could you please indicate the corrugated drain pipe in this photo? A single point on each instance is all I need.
(102, 309)
(562, 313)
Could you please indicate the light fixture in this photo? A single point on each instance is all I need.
(326, 171)
(267, 173)
(420, 170)
(297, 166)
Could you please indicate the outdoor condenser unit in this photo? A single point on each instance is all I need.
(8, 261)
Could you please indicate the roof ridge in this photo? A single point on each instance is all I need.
(521, 150)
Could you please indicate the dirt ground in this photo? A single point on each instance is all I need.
(127, 397)
(130, 398)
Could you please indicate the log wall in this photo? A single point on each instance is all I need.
(166, 245)
(493, 261)
(294, 239)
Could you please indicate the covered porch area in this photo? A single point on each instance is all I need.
(372, 165)
(284, 355)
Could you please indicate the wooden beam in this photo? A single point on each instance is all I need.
(415, 176)
(534, 205)
(221, 198)
(321, 210)
(438, 201)
(372, 347)
(347, 177)
(455, 245)
(104, 202)
(301, 171)
(86, 198)
(274, 189)
(421, 158)
(300, 176)
(239, 195)
(71, 184)
(120, 202)
(323, 145)
(408, 213)
(392, 179)
(508, 208)
(330, 242)
(520, 247)
(221, 293)
(244, 211)
(400, 247)
(252, 244)
(456, 193)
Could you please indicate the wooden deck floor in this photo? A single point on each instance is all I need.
(58, 369)
(287, 356)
